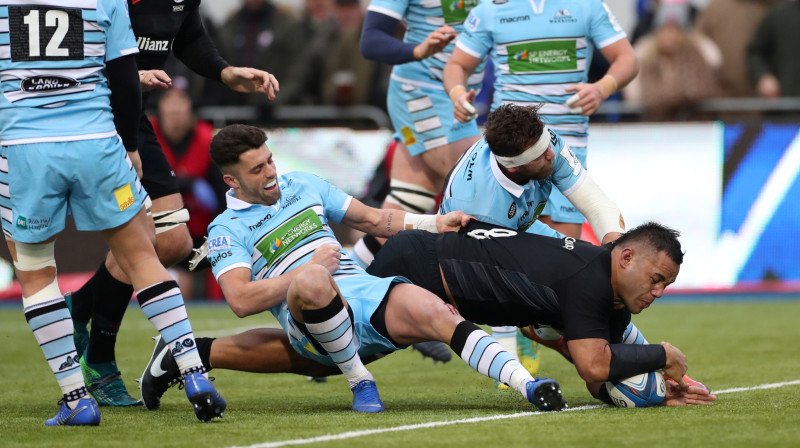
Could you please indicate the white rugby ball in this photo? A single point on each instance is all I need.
(640, 391)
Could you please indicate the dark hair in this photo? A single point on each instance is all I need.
(511, 129)
(233, 140)
(657, 236)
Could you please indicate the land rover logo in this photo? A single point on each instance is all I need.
(512, 210)
(43, 83)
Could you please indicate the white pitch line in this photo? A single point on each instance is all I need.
(763, 386)
(368, 432)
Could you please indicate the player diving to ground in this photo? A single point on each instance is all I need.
(496, 275)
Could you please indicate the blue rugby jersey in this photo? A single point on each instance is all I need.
(422, 17)
(539, 48)
(478, 187)
(51, 62)
(271, 240)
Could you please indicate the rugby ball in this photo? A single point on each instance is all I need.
(640, 391)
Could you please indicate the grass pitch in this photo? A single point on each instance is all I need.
(740, 344)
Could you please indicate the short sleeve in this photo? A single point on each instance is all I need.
(395, 9)
(605, 30)
(568, 172)
(120, 40)
(334, 201)
(476, 39)
(226, 251)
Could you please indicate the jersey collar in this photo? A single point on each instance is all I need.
(235, 203)
(507, 184)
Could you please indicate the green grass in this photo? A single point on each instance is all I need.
(733, 344)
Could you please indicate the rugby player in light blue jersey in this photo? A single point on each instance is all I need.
(66, 73)
(429, 139)
(542, 51)
(273, 250)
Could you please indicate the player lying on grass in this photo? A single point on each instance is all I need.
(497, 275)
(272, 250)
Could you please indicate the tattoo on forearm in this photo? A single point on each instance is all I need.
(389, 223)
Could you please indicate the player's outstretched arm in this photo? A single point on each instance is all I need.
(603, 214)
(384, 223)
(598, 361)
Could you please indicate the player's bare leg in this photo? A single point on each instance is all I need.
(414, 314)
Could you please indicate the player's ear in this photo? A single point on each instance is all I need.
(230, 180)
(626, 257)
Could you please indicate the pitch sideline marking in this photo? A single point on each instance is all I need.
(762, 386)
(368, 432)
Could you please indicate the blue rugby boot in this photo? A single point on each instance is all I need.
(545, 394)
(207, 402)
(366, 398)
(85, 413)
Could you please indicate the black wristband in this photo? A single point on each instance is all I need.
(603, 395)
(628, 360)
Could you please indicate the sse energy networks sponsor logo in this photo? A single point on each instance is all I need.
(283, 239)
(547, 56)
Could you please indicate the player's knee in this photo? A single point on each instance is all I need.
(438, 318)
(173, 242)
(311, 287)
(173, 246)
(34, 257)
(410, 197)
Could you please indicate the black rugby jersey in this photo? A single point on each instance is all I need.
(164, 26)
(499, 276)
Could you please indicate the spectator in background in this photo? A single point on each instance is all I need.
(646, 17)
(730, 24)
(677, 66)
(185, 142)
(260, 35)
(772, 56)
(348, 78)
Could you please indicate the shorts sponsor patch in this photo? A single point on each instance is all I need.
(219, 243)
(124, 196)
(408, 136)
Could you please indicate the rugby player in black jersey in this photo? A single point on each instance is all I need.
(161, 28)
(494, 275)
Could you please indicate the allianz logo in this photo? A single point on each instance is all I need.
(147, 44)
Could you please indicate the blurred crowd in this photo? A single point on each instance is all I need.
(687, 53)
